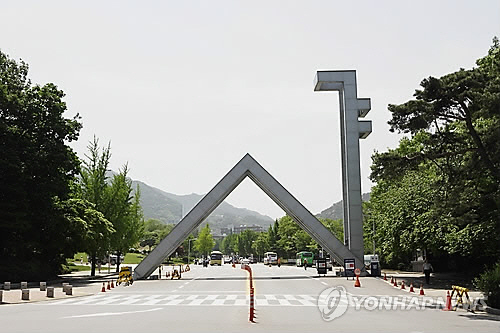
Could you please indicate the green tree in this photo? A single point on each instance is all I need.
(261, 244)
(245, 241)
(113, 198)
(229, 244)
(36, 166)
(440, 188)
(205, 243)
(124, 212)
(154, 231)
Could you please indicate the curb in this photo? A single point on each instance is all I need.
(491, 310)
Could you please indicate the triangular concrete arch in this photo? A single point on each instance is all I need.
(246, 167)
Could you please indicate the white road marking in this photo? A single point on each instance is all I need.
(101, 314)
(323, 282)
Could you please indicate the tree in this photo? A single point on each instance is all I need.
(261, 244)
(124, 212)
(440, 188)
(36, 166)
(153, 232)
(205, 243)
(112, 198)
(229, 244)
(245, 241)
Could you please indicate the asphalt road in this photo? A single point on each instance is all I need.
(215, 299)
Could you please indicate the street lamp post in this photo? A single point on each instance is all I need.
(189, 247)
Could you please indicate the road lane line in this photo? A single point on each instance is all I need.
(101, 314)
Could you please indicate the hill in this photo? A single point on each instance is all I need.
(169, 208)
(336, 211)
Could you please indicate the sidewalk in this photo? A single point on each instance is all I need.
(440, 285)
(83, 285)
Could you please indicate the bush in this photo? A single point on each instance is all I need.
(489, 284)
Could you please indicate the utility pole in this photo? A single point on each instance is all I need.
(189, 247)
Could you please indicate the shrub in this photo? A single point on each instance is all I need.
(489, 283)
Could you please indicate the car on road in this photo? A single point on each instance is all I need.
(245, 261)
(228, 259)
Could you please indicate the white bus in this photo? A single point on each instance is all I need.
(270, 258)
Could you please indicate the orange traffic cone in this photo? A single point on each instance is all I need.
(357, 283)
(108, 287)
(112, 284)
(421, 290)
(411, 288)
(403, 285)
(448, 302)
(395, 283)
(385, 277)
(103, 288)
(392, 280)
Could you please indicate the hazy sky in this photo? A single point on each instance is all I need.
(183, 89)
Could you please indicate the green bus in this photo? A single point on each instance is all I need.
(304, 258)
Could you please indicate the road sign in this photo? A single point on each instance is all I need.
(349, 265)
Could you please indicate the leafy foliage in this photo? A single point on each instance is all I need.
(113, 199)
(205, 243)
(489, 283)
(440, 189)
(36, 167)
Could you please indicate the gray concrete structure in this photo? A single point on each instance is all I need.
(246, 167)
(351, 130)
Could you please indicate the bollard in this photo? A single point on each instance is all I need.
(50, 292)
(6, 286)
(69, 290)
(43, 286)
(64, 285)
(25, 294)
(24, 285)
(252, 305)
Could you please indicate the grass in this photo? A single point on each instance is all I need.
(133, 258)
(76, 268)
(78, 255)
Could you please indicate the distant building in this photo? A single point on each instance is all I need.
(226, 231)
(256, 228)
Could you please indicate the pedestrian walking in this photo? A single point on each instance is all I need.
(427, 269)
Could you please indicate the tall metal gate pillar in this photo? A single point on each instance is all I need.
(351, 130)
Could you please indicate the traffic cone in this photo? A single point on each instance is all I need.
(108, 287)
(395, 283)
(403, 285)
(385, 277)
(392, 280)
(103, 288)
(357, 283)
(411, 288)
(448, 302)
(421, 290)
(112, 284)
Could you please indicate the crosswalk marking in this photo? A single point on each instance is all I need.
(191, 300)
